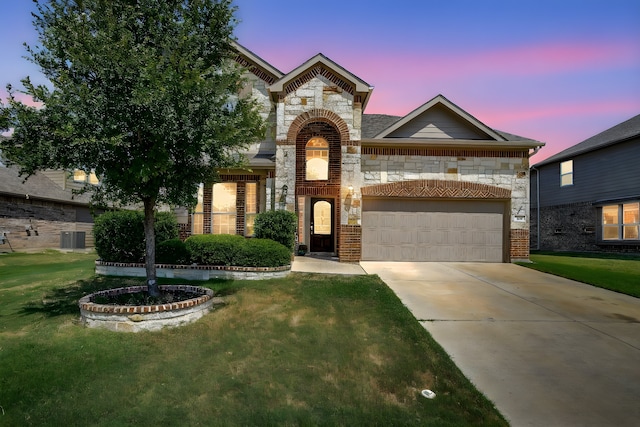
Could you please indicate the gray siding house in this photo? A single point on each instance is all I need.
(587, 197)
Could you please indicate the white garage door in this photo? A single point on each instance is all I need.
(427, 230)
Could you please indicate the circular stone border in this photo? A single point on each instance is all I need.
(130, 318)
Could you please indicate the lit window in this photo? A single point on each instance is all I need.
(198, 212)
(566, 173)
(93, 179)
(610, 223)
(322, 218)
(621, 222)
(250, 207)
(317, 159)
(630, 221)
(79, 175)
(224, 208)
(82, 176)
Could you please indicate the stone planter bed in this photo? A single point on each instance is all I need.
(193, 272)
(132, 318)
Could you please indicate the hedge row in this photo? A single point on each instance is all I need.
(227, 249)
(119, 237)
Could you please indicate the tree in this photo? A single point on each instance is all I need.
(142, 92)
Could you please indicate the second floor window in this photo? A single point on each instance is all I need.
(566, 173)
(317, 159)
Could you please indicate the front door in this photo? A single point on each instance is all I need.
(321, 225)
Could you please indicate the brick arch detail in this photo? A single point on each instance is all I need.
(434, 188)
(318, 115)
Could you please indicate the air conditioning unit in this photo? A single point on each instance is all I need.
(72, 239)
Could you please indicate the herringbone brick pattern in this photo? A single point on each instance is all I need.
(432, 188)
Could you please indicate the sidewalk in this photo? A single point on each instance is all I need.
(310, 264)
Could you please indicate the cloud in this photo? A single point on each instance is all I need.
(512, 62)
(528, 113)
(19, 96)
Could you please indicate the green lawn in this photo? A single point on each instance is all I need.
(306, 350)
(620, 273)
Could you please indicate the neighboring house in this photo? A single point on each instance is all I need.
(589, 194)
(434, 185)
(38, 213)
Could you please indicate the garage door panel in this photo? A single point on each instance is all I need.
(448, 231)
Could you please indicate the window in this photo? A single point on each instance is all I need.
(223, 208)
(566, 173)
(317, 159)
(322, 218)
(198, 213)
(621, 222)
(81, 176)
(250, 207)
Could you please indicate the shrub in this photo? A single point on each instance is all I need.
(214, 249)
(173, 251)
(263, 253)
(277, 225)
(166, 227)
(119, 235)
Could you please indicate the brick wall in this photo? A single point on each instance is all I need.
(519, 245)
(570, 227)
(350, 243)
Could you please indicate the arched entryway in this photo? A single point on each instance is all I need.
(318, 141)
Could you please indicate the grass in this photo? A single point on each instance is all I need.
(620, 273)
(306, 350)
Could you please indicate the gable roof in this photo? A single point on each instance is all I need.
(321, 65)
(373, 124)
(256, 65)
(618, 133)
(441, 101)
(37, 186)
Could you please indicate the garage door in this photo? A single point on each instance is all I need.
(427, 230)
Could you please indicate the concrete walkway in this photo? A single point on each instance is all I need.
(546, 350)
(310, 264)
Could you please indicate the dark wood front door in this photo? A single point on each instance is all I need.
(322, 225)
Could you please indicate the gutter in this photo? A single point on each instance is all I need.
(533, 168)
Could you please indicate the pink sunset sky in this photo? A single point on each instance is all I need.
(557, 71)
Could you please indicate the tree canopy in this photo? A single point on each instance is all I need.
(142, 92)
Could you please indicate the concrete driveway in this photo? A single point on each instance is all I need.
(546, 350)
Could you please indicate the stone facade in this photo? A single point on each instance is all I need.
(437, 143)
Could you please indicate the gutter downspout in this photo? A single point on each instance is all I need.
(537, 207)
(533, 168)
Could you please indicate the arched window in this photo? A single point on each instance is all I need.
(317, 159)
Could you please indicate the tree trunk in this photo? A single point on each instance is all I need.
(150, 247)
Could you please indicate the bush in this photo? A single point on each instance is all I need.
(263, 253)
(119, 235)
(173, 251)
(166, 227)
(214, 249)
(226, 249)
(277, 225)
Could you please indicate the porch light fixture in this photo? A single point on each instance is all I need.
(350, 189)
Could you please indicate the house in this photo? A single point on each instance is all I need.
(587, 197)
(39, 213)
(434, 185)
